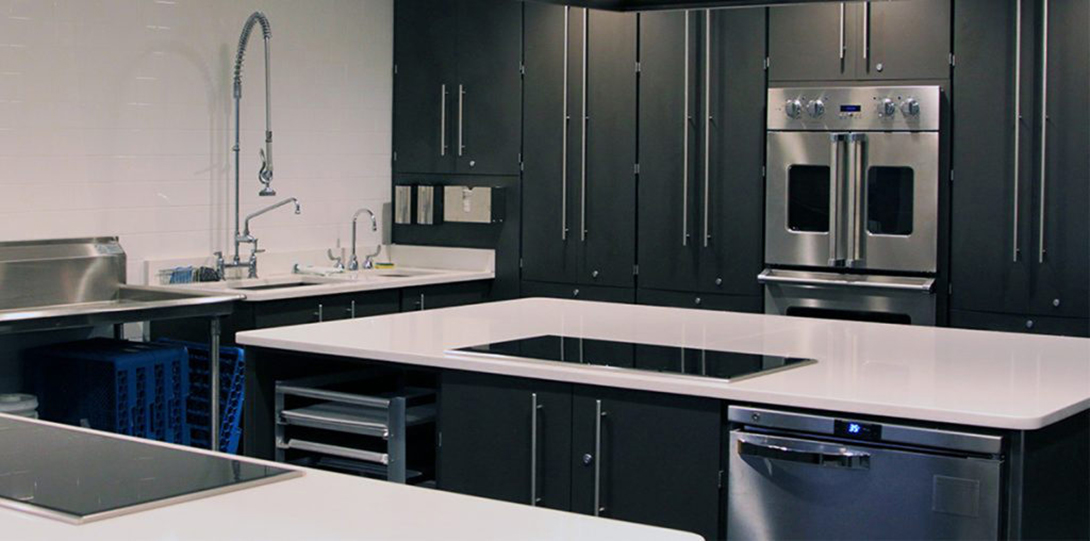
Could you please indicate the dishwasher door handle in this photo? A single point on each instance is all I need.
(850, 460)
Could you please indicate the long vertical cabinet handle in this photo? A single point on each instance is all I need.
(564, 134)
(834, 198)
(583, 188)
(1044, 131)
(685, 144)
(1015, 251)
(534, 408)
(461, 119)
(866, 31)
(842, 48)
(443, 120)
(707, 117)
(598, 415)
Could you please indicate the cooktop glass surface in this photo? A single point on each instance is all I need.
(710, 363)
(77, 477)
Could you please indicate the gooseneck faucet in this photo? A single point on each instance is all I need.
(248, 238)
(368, 263)
(265, 174)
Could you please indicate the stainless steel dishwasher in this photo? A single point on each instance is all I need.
(800, 476)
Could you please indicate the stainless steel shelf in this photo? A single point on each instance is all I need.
(353, 419)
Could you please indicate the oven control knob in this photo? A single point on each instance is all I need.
(886, 107)
(793, 108)
(911, 107)
(816, 108)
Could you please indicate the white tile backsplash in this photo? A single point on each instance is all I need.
(116, 119)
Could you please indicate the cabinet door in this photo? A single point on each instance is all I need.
(906, 40)
(647, 458)
(300, 311)
(732, 228)
(425, 80)
(488, 446)
(578, 292)
(812, 42)
(990, 248)
(607, 214)
(730, 303)
(444, 296)
(551, 154)
(1061, 279)
(488, 97)
(668, 142)
(986, 321)
(375, 303)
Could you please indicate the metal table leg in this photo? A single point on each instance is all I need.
(214, 383)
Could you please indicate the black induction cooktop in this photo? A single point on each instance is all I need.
(77, 476)
(731, 365)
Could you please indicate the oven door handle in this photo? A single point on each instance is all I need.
(921, 285)
(843, 459)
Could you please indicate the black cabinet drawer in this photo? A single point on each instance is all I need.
(1060, 326)
(579, 292)
(728, 303)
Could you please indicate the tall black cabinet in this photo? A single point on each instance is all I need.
(579, 132)
(701, 189)
(1020, 233)
(458, 86)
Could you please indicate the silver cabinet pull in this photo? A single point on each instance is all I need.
(564, 134)
(707, 117)
(835, 178)
(1044, 130)
(583, 189)
(320, 314)
(866, 31)
(443, 120)
(598, 415)
(352, 310)
(842, 49)
(1015, 251)
(461, 119)
(421, 303)
(685, 145)
(534, 408)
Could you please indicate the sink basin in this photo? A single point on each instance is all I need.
(398, 273)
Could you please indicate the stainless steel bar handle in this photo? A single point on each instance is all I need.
(908, 284)
(461, 119)
(707, 117)
(1015, 250)
(564, 133)
(866, 30)
(685, 145)
(583, 189)
(598, 415)
(842, 49)
(443, 120)
(534, 408)
(857, 140)
(834, 198)
(845, 459)
(1044, 131)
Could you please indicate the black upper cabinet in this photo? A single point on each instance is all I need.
(457, 90)
(702, 150)
(425, 60)
(833, 41)
(999, 220)
(579, 196)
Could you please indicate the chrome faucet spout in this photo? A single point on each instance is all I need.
(246, 231)
(354, 263)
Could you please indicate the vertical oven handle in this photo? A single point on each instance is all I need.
(856, 172)
(836, 140)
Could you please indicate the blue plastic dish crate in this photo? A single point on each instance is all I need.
(131, 388)
(232, 392)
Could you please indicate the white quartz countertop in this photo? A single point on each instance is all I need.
(322, 505)
(976, 378)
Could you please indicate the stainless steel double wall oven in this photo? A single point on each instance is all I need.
(852, 203)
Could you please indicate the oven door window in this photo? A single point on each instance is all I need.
(890, 200)
(808, 198)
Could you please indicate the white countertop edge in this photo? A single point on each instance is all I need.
(668, 383)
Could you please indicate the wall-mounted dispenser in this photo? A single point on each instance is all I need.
(473, 204)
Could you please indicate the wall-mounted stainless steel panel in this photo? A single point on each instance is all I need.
(467, 204)
(893, 108)
(403, 205)
(425, 205)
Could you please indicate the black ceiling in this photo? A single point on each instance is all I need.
(641, 5)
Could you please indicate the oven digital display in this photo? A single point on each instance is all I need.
(859, 431)
(851, 108)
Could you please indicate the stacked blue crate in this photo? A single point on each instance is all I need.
(232, 392)
(128, 388)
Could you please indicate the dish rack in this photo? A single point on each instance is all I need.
(356, 423)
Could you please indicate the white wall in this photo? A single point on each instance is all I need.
(115, 119)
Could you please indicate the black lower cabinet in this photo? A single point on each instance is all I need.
(640, 457)
(646, 457)
(578, 292)
(444, 296)
(728, 303)
(987, 321)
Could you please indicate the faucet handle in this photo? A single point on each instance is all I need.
(338, 260)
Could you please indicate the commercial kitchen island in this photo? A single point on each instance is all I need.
(729, 424)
